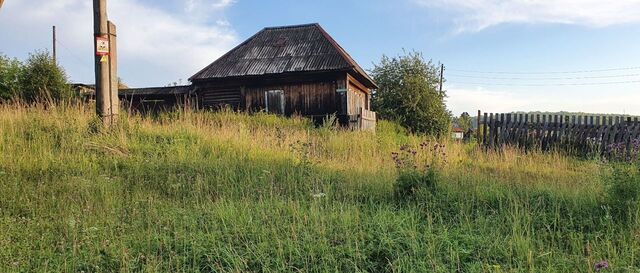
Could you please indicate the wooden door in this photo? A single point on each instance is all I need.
(274, 102)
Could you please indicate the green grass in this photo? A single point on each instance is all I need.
(227, 192)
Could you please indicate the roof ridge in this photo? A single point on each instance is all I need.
(292, 26)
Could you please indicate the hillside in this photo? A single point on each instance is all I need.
(227, 192)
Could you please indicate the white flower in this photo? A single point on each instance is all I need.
(318, 195)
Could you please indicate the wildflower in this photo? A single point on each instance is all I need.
(318, 195)
(601, 265)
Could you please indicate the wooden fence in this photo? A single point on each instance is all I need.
(609, 136)
(364, 120)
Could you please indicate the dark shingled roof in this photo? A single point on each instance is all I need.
(170, 90)
(288, 49)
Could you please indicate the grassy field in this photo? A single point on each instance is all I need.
(226, 192)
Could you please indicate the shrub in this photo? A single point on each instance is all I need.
(43, 80)
(10, 70)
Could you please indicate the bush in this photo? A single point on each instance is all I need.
(43, 80)
(10, 70)
(408, 93)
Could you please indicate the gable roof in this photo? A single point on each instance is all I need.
(287, 49)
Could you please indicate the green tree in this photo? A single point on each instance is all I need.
(10, 70)
(408, 93)
(464, 121)
(43, 80)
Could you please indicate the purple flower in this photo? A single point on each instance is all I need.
(601, 265)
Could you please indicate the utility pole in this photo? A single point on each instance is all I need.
(441, 76)
(55, 60)
(106, 106)
(113, 72)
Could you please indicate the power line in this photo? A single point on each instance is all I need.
(72, 54)
(549, 84)
(86, 67)
(542, 78)
(547, 72)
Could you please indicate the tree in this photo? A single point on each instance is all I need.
(464, 121)
(10, 70)
(43, 80)
(408, 93)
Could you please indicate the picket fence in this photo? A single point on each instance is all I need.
(609, 136)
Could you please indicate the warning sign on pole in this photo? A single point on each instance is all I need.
(102, 45)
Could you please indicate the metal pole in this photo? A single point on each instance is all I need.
(55, 60)
(101, 63)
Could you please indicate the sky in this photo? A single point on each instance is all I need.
(499, 55)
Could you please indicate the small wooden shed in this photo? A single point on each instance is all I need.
(289, 70)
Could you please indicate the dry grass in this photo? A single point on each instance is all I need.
(212, 192)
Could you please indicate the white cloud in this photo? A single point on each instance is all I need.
(155, 46)
(474, 15)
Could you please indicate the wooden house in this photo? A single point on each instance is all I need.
(457, 133)
(282, 70)
(289, 70)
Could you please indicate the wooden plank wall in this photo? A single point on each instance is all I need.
(357, 96)
(307, 99)
(609, 136)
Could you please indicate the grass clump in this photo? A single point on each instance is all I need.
(623, 192)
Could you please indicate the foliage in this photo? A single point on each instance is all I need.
(10, 70)
(43, 80)
(229, 192)
(464, 121)
(408, 93)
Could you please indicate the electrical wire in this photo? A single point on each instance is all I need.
(540, 78)
(546, 72)
(547, 84)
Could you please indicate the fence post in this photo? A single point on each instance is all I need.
(478, 127)
(484, 131)
(492, 130)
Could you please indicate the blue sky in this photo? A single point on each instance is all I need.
(527, 41)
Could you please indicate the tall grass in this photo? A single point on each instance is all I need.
(229, 192)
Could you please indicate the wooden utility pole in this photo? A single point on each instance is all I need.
(55, 60)
(113, 72)
(106, 106)
(441, 76)
(1, 1)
